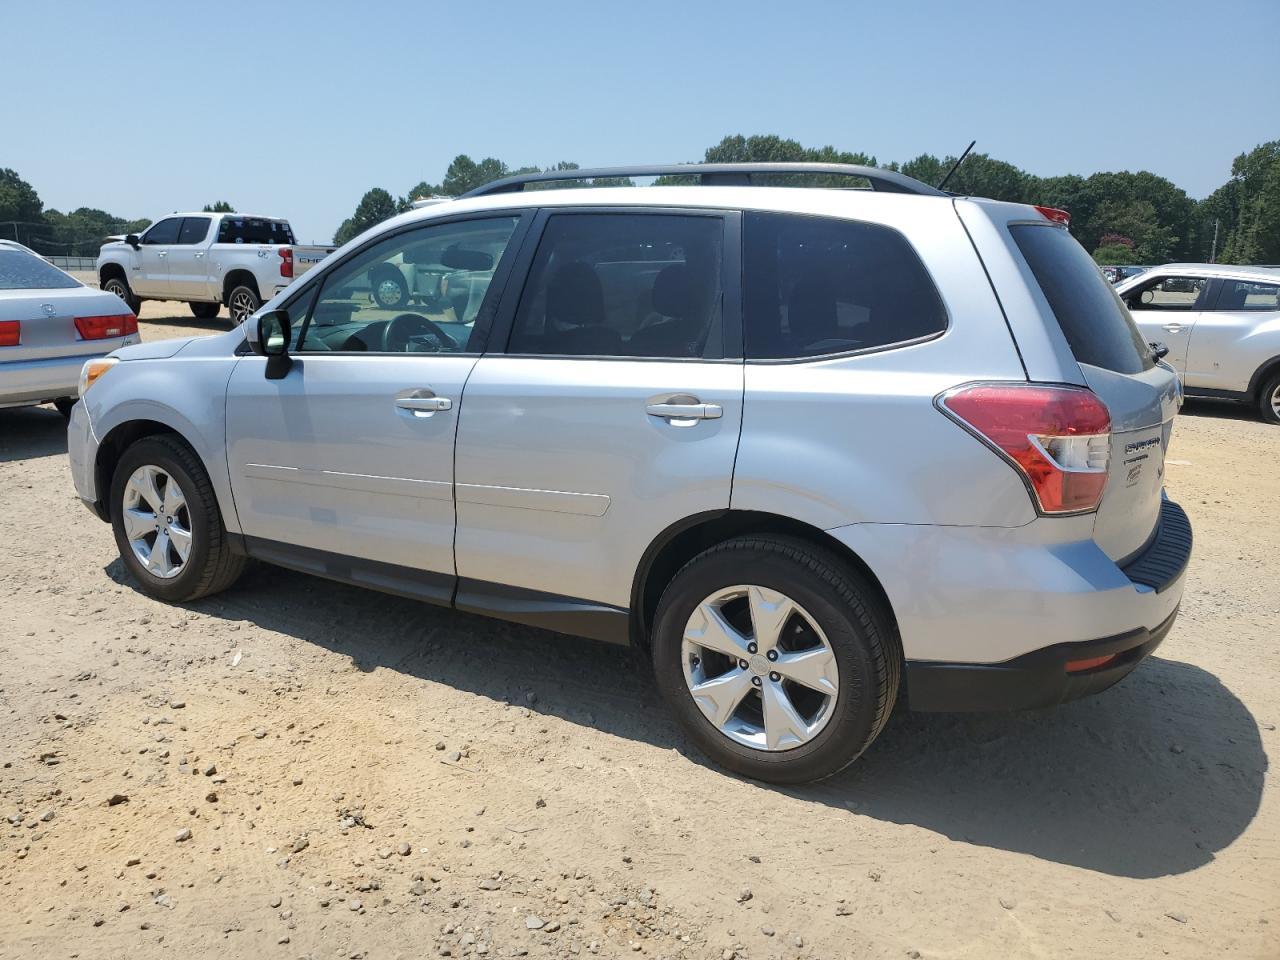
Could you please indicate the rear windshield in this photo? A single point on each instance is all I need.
(1097, 326)
(254, 230)
(22, 271)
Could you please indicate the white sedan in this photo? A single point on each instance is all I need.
(50, 324)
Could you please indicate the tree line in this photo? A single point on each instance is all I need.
(1120, 217)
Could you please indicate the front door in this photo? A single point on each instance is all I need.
(613, 413)
(189, 261)
(1221, 356)
(1166, 309)
(345, 465)
(151, 276)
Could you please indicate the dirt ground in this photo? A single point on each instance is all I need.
(300, 769)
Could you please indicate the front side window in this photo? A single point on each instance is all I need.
(1247, 295)
(166, 231)
(1168, 293)
(624, 285)
(814, 286)
(194, 230)
(420, 291)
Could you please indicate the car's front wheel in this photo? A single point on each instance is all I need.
(779, 659)
(1269, 400)
(167, 523)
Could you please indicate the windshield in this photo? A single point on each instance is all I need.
(22, 271)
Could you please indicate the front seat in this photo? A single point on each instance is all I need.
(575, 314)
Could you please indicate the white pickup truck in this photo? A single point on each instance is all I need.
(206, 260)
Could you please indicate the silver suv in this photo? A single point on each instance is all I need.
(815, 450)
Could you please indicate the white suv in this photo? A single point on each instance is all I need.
(813, 449)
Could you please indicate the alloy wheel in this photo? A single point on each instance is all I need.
(389, 293)
(760, 668)
(157, 521)
(1275, 401)
(242, 306)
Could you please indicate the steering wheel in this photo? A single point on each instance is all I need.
(414, 332)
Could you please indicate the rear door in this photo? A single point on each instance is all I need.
(189, 261)
(614, 411)
(1166, 309)
(1221, 355)
(152, 276)
(1118, 365)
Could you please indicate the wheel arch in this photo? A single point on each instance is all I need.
(235, 278)
(112, 447)
(1260, 376)
(685, 539)
(109, 270)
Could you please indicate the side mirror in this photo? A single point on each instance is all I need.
(1158, 350)
(132, 240)
(272, 342)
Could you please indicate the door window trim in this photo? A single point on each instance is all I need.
(168, 243)
(730, 282)
(483, 329)
(208, 221)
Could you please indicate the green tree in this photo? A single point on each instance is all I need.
(20, 207)
(1248, 207)
(374, 207)
(219, 206)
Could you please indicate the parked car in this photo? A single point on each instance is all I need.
(50, 323)
(813, 450)
(206, 260)
(1115, 274)
(15, 245)
(1221, 325)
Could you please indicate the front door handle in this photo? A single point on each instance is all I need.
(423, 402)
(162, 253)
(685, 411)
(1172, 328)
(199, 254)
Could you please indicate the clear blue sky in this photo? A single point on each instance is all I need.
(296, 108)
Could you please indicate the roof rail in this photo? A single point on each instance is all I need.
(717, 174)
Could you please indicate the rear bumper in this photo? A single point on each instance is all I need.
(25, 382)
(1036, 679)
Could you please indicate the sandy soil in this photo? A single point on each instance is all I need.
(364, 776)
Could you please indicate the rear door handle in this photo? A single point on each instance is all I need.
(162, 253)
(423, 402)
(199, 254)
(1172, 328)
(685, 411)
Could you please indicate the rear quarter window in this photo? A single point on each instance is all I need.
(254, 230)
(1095, 323)
(814, 286)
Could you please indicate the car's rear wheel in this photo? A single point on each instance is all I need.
(205, 311)
(1269, 400)
(243, 302)
(120, 287)
(167, 524)
(780, 660)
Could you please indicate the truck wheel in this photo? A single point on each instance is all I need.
(205, 311)
(1269, 400)
(167, 523)
(243, 302)
(389, 289)
(120, 287)
(779, 659)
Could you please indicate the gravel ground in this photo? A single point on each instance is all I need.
(299, 769)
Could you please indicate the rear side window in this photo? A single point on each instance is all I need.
(1098, 328)
(254, 230)
(1246, 295)
(814, 286)
(22, 271)
(194, 230)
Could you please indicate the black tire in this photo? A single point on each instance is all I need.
(1269, 400)
(205, 311)
(211, 565)
(120, 287)
(388, 288)
(64, 405)
(242, 301)
(848, 610)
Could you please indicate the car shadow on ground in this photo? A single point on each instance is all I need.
(189, 323)
(27, 433)
(1221, 409)
(1150, 779)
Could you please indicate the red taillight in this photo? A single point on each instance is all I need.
(10, 333)
(106, 328)
(1056, 215)
(1089, 663)
(1058, 437)
(286, 262)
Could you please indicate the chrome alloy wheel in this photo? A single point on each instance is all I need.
(242, 306)
(157, 522)
(760, 668)
(118, 288)
(389, 293)
(1275, 401)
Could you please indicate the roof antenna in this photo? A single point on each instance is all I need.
(956, 166)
